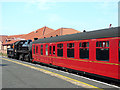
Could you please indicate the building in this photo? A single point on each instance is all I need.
(2, 40)
(43, 32)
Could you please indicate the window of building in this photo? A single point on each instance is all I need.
(60, 50)
(70, 50)
(41, 49)
(36, 49)
(46, 50)
(84, 50)
(102, 50)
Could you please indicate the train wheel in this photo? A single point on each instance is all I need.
(9, 56)
(26, 58)
(16, 56)
(21, 57)
(66, 70)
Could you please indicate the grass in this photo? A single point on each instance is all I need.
(3, 54)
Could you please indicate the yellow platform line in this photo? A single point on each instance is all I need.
(73, 81)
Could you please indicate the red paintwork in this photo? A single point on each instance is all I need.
(91, 65)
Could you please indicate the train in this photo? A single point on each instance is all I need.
(19, 50)
(94, 53)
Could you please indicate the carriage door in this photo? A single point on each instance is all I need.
(51, 52)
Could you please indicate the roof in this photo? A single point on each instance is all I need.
(40, 33)
(15, 36)
(34, 34)
(11, 42)
(61, 31)
(12, 38)
(3, 38)
(37, 33)
(103, 33)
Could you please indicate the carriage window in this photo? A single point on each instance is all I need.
(41, 46)
(119, 43)
(50, 50)
(119, 51)
(41, 50)
(70, 45)
(54, 50)
(102, 50)
(102, 44)
(36, 49)
(99, 44)
(46, 51)
(60, 46)
(84, 44)
(46, 46)
(60, 50)
(107, 44)
(70, 50)
(80, 45)
(119, 54)
(84, 50)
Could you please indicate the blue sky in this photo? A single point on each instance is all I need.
(24, 17)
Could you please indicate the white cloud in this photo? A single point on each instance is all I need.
(53, 18)
(43, 4)
(40, 4)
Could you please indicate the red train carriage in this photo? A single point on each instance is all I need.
(96, 52)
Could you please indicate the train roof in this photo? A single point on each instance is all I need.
(103, 33)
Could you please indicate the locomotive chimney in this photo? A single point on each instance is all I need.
(35, 39)
(84, 30)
